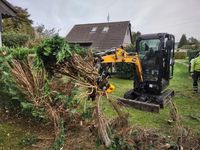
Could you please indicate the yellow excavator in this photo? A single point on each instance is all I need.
(153, 62)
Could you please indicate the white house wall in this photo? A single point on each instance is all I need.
(127, 38)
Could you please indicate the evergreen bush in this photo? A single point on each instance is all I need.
(13, 40)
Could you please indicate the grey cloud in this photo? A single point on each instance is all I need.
(147, 16)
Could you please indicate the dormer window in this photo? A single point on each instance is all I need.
(94, 29)
(105, 29)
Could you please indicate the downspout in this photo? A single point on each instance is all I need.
(130, 33)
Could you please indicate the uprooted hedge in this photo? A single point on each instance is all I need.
(28, 86)
(44, 96)
(58, 57)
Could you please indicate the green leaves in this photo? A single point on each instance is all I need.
(11, 95)
(26, 105)
(63, 53)
(53, 50)
(14, 40)
(21, 53)
(56, 50)
(124, 70)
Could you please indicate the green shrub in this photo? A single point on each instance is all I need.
(56, 50)
(124, 70)
(14, 40)
(180, 55)
(10, 95)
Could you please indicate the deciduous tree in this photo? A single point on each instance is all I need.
(42, 32)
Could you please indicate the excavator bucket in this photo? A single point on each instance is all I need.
(146, 102)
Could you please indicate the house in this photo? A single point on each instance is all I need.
(6, 10)
(101, 36)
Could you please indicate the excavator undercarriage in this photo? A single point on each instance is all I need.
(146, 102)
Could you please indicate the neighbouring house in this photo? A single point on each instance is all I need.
(6, 11)
(101, 36)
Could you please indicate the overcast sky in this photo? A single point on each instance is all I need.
(147, 16)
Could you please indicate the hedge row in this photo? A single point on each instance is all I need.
(13, 40)
(180, 55)
(124, 70)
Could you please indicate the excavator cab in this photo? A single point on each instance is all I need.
(156, 52)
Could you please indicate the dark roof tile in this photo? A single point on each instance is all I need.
(100, 40)
(6, 9)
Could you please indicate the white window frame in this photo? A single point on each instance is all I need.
(105, 29)
(94, 29)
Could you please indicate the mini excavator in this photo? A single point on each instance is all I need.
(153, 63)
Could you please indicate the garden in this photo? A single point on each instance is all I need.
(44, 104)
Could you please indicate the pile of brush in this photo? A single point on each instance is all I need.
(58, 57)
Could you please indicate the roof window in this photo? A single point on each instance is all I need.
(94, 29)
(105, 29)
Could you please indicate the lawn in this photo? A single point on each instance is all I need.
(186, 102)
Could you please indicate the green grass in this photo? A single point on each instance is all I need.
(186, 102)
(11, 135)
(186, 60)
(16, 136)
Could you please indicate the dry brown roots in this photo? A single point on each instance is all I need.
(31, 83)
(81, 70)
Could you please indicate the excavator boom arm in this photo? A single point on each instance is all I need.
(122, 56)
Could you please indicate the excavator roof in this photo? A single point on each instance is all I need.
(153, 36)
